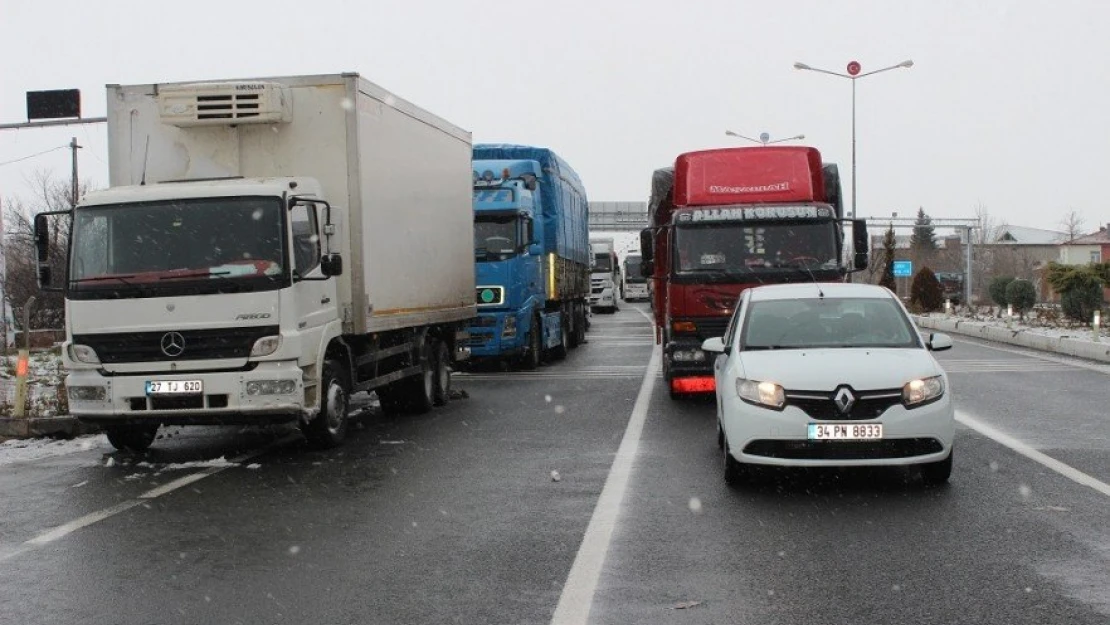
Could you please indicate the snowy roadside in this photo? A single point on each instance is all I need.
(45, 378)
(1041, 334)
(26, 450)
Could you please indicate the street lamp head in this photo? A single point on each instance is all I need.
(801, 66)
(731, 134)
(906, 63)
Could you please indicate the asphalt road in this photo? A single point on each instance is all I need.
(577, 492)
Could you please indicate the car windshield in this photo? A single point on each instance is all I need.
(826, 323)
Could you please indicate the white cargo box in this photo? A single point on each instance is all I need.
(401, 174)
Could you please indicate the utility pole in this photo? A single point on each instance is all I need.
(73, 197)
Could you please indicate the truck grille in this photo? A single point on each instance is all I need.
(195, 344)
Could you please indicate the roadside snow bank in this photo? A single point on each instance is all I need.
(23, 450)
(1078, 342)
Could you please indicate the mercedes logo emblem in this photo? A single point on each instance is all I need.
(173, 344)
(844, 399)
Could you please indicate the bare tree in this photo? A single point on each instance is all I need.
(1072, 224)
(21, 281)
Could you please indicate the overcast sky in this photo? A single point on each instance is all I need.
(1006, 104)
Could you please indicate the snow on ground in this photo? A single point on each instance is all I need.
(37, 448)
(1032, 325)
(45, 375)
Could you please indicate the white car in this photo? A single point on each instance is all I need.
(830, 375)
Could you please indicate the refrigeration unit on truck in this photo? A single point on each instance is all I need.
(633, 283)
(531, 248)
(604, 275)
(724, 220)
(267, 247)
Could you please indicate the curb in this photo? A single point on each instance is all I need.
(34, 427)
(1071, 346)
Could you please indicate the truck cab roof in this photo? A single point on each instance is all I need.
(186, 189)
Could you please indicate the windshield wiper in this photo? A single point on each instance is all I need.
(222, 275)
(122, 279)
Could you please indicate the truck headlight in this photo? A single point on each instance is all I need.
(87, 393)
(84, 353)
(920, 392)
(266, 346)
(766, 394)
(271, 387)
(509, 330)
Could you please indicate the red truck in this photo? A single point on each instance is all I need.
(727, 219)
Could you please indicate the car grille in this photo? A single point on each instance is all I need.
(844, 450)
(196, 344)
(821, 405)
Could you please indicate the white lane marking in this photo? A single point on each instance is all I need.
(578, 591)
(61, 531)
(1031, 353)
(1027, 450)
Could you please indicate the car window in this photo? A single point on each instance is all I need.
(827, 322)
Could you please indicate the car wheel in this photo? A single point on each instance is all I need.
(735, 472)
(937, 473)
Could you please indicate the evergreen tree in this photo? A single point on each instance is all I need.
(887, 260)
(924, 237)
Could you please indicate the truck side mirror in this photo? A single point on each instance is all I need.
(647, 268)
(860, 244)
(331, 265)
(647, 245)
(44, 275)
(530, 231)
(42, 237)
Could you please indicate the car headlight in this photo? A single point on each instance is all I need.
(919, 392)
(266, 346)
(84, 353)
(766, 394)
(509, 330)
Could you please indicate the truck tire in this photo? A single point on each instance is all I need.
(329, 427)
(571, 313)
(391, 398)
(531, 358)
(443, 374)
(421, 389)
(559, 352)
(134, 438)
(582, 323)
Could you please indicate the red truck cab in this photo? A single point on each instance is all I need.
(727, 219)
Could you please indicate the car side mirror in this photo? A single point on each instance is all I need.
(331, 265)
(715, 345)
(939, 342)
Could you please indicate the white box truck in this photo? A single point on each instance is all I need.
(604, 275)
(267, 247)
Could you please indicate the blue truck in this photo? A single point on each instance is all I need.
(531, 250)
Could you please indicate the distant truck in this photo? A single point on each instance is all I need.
(531, 248)
(724, 220)
(267, 247)
(634, 286)
(605, 275)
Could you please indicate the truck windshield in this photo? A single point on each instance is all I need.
(495, 237)
(602, 263)
(210, 244)
(755, 247)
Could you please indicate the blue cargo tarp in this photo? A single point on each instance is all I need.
(566, 223)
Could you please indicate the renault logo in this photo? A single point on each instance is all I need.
(844, 399)
(173, 344)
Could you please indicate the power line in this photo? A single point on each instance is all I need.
(60, 147)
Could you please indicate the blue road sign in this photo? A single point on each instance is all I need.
(903, 268)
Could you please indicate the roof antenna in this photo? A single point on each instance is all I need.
(820, 293)
(146, 157)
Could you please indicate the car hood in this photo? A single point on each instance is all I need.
(825, 369)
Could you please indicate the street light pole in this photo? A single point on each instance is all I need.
(764, 138)
(853, 75)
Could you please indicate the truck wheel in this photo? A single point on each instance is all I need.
(531, 359)
(443, 374)
(559, 352)
(135, 438)
(421, 389)
(329, 427)
(391, 399)
(581, 324)
(571, 314)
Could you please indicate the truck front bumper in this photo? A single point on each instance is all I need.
(489, 339)
(271, 392)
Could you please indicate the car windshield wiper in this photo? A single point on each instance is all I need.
(122, 279)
